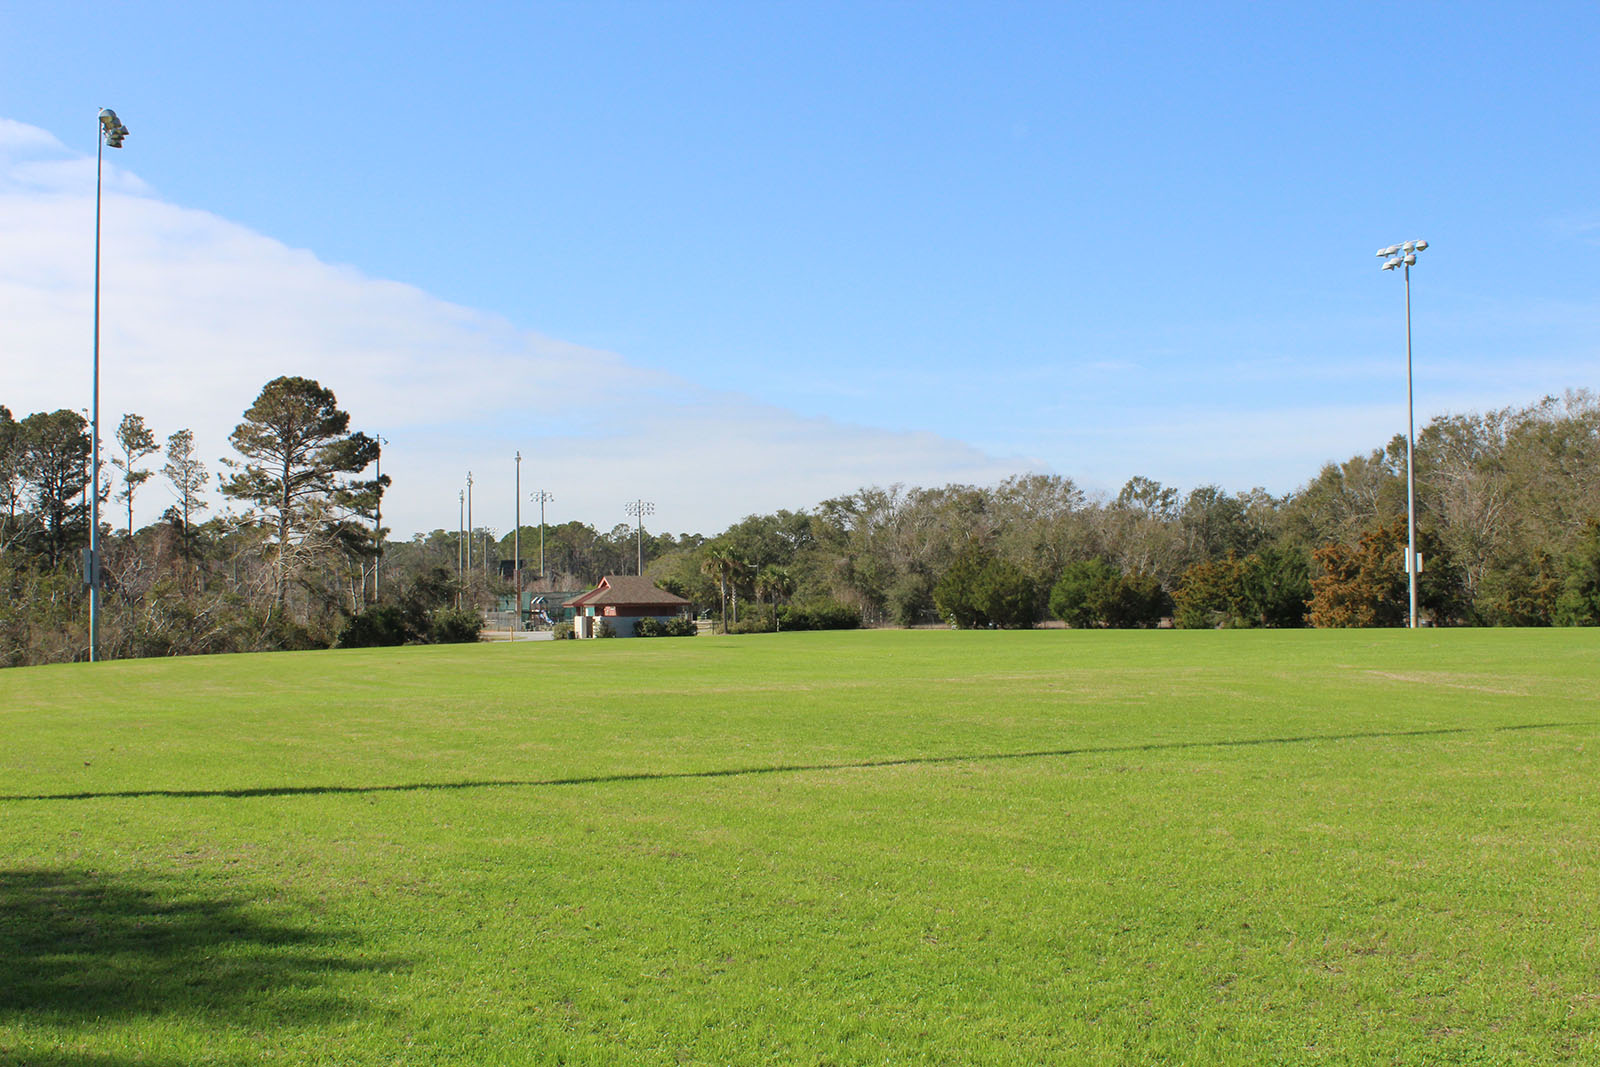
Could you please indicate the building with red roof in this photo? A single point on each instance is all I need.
(622, 600)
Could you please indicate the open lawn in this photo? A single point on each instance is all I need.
(880, 847)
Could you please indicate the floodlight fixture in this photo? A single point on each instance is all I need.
(543, 496)
(111, 128)
(639, 509)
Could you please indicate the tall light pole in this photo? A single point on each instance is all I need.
(469, 524)
(112, 132)
(1405, 257)
(516, 551)
(639, 509)
(543, 496)
(461, 526)
(377, 529)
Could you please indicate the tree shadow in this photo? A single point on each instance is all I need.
(79, 947)
(253, 792)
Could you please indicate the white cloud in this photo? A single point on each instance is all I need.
(199, 312)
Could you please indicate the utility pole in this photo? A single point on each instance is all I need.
(469, 523)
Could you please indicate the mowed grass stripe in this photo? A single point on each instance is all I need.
(1131, 869)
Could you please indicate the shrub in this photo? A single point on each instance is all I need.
(757, 619)
(605, 629)
(1094, 592)
(564, 631)
(1278, 584)
(1081, 595)
(1579, 602)
(1214, 595)
(1006, 596)
(377, 627)
(677, 626)
(286, 635)
(452, 627)
(818, 615)
(957, 595)
(911, 599)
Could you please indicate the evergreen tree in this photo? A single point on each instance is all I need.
(137, 442)
(298, 455)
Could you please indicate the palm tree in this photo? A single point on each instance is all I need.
(720, 563)
(774, 583)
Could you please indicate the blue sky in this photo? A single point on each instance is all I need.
(830, 245)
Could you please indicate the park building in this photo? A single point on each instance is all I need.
(622, 600)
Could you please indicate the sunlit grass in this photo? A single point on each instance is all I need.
(1358, 847)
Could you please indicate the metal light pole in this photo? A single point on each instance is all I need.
(516, 551)
(1405, 257)
(112, 132)
(377, 529)
(461, 525)
(639, 509)
(469, 523)
(543, 497)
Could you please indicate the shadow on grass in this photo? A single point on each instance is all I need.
(33, 1058)
(80, 947)
(778, 768)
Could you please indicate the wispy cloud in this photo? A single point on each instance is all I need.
(198, 312)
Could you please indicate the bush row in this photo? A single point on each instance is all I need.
(811, 615)
(678, 626)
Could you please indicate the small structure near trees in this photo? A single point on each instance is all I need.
(622, 600)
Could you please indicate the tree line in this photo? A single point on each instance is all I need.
(1508, 524)
(286, 563)
(1508, 528)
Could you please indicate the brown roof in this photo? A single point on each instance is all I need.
(627, 589)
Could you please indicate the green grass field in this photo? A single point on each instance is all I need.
(881, 847)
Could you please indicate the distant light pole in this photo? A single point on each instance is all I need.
(461, 526)
(1405, 257)
(516, 551)
(543, 496)
(112, 132)
(639, 509)
(377, 529)
(469, 524)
